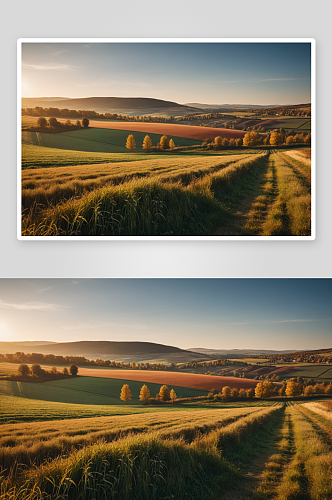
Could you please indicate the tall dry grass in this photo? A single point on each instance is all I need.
(32, 443)
(49, 186)
(291, 213)
(140, 467)
(309, 475)
(140, 208)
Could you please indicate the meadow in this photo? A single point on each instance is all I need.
(280, 451)
(90, 390)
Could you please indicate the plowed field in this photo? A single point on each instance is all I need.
(174, 129)
(191, 380)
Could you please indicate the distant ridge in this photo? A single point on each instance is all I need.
(101, 103)
(230, 106)
(211, 352)
(97, 349)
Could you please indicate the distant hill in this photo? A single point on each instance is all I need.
(106, 104)
(227, 106)
(116, 351)
(239, 352)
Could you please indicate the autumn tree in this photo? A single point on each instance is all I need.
(226, 392)
(242, 393)
(53, 122)
(37, 371)
(309, 391)
(65, 371)
(144, 395)
(125, 394)
(164, 393)
(164, 142)
(239, 142)
(232, 143)
(234, 393)
(130, 144)
(171, 144)
(218, 142)
(251, 139)
(41, 122)
(225, 142)
(24, 370)
(276, 138)
(173, 395)
(68, 123)
(282, 390)
(78, 124)
(290, 140)
(147, 143)
(264, 389)
(54, 370)
(328, 389)
(250, 393)
(85, 122)
(293, 388)
(73, 369)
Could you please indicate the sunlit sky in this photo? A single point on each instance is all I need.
(187, 313)
(210, 73)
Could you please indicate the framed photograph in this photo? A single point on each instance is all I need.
(153, 389)
(209, 139)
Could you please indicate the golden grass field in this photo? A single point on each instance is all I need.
(198, 192)
(280, 452)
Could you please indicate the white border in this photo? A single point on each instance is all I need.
(312, 41)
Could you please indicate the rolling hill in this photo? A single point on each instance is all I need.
(117, 351)
(109, 104)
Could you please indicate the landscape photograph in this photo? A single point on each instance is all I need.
(159, 389)
(166, 139)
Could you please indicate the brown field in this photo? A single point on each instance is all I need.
(174, 129)
(191, 380)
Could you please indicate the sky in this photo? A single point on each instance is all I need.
(277, 314)
(208, 73)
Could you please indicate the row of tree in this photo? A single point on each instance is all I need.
(275, 138)
(292, 388)
(319, 356)
(54, 124)
(36, 371)
(164, 394)
(164, 143)
(51, 359)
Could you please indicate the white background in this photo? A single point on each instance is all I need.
(181, 18)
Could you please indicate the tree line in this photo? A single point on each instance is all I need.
(251, 139)
(320, 356)
(36, 372)
(52, 359)
(163, 395)
(52, 124)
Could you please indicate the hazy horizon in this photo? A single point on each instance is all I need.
(145, 97)
(225, 72)
(273, 314)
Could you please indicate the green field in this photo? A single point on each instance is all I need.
(316, 371)
(97, 140)
(41, 156)
(298, 124)
(86, 390)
